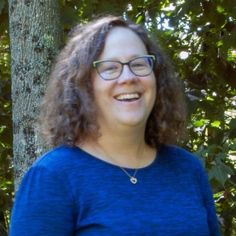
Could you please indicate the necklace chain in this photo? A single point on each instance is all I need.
(133, 179)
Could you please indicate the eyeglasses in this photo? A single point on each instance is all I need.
(139, 66)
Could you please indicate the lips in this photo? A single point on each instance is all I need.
(128, 96)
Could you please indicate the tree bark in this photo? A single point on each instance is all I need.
(35, 36)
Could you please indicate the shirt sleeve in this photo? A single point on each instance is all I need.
(43, 205)
(209, 204)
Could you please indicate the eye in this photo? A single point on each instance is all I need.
(140, 63)
(109, 67)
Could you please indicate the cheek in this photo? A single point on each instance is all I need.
(103, 90)
(97, 86)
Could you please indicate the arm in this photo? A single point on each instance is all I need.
(43, 205)
(209, 204)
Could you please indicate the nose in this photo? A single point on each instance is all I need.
(126, 76)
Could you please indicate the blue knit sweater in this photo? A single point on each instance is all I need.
(68, 192)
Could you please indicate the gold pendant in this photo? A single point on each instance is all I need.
(133, 180)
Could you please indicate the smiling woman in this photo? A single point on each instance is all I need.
(70, 90)
(113, 111)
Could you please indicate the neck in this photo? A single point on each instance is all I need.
(128, 144)
(127, 149)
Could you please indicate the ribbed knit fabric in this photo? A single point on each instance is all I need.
(69, 192)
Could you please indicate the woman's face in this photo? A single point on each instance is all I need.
(128, 100)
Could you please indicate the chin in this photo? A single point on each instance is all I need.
(132, 122)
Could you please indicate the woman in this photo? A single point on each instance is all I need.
(113, 109)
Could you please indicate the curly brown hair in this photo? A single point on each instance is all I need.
(68, 115)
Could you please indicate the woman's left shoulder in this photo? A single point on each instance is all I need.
(181, 156)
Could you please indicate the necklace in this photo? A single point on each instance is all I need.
(133, 179)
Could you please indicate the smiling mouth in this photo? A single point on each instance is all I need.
(128, 97)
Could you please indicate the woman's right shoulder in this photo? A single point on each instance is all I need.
(61, 157)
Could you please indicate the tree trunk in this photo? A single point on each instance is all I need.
(35, 35)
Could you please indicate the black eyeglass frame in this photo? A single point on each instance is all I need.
(152, 57)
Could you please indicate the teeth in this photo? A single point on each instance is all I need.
(128, 96)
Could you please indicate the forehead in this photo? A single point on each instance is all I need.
(122, 43)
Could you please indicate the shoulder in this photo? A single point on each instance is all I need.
(184, 164)
(180, 157)
(59, 158)
(173, 151)
(55, 168)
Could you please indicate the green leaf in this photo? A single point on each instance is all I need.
(219, 43)
(220, 9)
(220, 173)
(216, 124)
(200, 123)
(209, 98)
(139, 19)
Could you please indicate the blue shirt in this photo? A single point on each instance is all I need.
(69, 192)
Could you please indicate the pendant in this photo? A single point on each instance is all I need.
(133, 180)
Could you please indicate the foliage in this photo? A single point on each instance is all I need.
(6, 177)
(200, 37)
